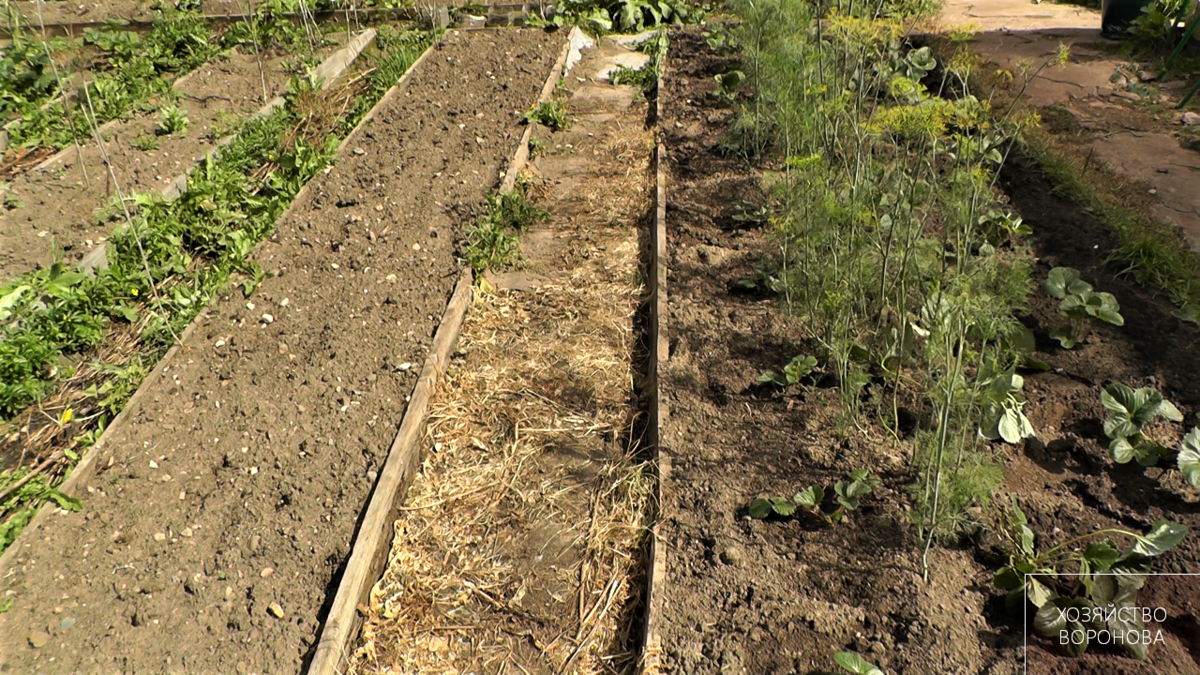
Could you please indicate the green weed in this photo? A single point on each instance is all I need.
(493, 241)
(145, 143)
(847, 494)
(552, 114)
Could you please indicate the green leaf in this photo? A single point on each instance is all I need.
(1168, 410)
(1163, 537)
(783, 506)
(1108, 309)
(771, 377)
(67, 502)
(1065, 336)
(1039, 594)
(853, 663)
(1063, 281)
(1053, 618)
(810, 497)
(1189, 457)
(760, 508)
(1010, 426)
(1101, 555)
(1121, 450)
(1008, 578)
(798, 368)
(1111, 594)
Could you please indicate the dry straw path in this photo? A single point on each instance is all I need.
(521, 547)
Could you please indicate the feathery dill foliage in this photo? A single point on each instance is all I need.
(895, 253)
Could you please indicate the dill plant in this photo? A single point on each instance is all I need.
(894, 250)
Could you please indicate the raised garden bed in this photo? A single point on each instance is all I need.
(304, 455)
(786, 594)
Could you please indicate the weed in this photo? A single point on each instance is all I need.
(13, 202)
(145, 143)
(491, 242)
(173, 120)
(537, 147)
(848, 494)
(552, 114)
(1104, 595)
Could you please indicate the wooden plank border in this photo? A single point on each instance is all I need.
(651, 661)
(373, 539)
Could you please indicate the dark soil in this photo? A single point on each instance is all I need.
(745, 596)
(260, 451)
(60, 202)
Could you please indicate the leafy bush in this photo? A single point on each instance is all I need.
(1129, 411)
(600, 17)
(1079, 303)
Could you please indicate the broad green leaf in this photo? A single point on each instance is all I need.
(783, 506)
(1063, 281)
(1111, 594)
(1120, 450)
(1108, 309)
(852, 662)
(798, 368)
(1189, 457)
(1065, 336)
(810, 497)
(760, 508)
(1039, 593)
(771, 377)
(1010, 426)
(10, 300)
(1161, 538)
(1101, 555)
(1168, 410)
(1053, 618)
(1118, 426)
(1008, 578)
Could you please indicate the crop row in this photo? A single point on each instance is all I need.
(74, 347)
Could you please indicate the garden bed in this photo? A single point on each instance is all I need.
(66, 205)
(283, 419)
(784, 595)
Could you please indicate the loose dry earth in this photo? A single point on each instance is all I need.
(216, 525)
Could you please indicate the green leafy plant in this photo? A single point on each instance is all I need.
(1106, 579)
(493, 241)
(848, 495)
(600, 17)
(145, 143)
(1003, 410)
(728, 85)
(792, 372)
(1189, 457)
(173, 120)
(720, 39)
(552, 114)
(1129, 411)
(1079, 302)
(537, 147)
(13, 202)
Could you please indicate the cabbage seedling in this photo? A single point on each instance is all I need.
(792, 372)
(1129, 411)
(1003, 410)
(1079, 302)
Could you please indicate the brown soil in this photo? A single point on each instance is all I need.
(746, 596)
(58, 219)
(237, 487)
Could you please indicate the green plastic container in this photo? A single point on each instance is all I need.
(1117, 16)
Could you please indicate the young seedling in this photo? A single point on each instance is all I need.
(728, 85)
(1003, 410)
(145, 143)
(1107, 580)
(1129, 411)
(849, 493)
(1079, 303)
(173, 120)
(792, 372)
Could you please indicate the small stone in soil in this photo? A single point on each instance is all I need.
(267, 571)
(39, 639)
(160, 536)
(731, 556)
(275, 610)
